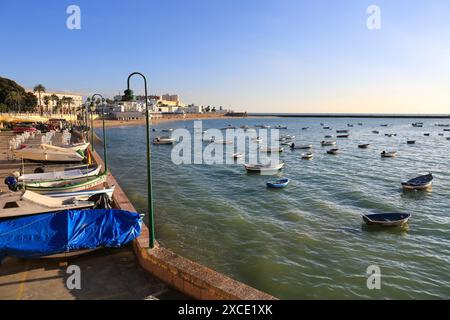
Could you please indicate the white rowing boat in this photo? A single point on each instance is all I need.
(163, 140)
(270, 150)
(23, 203)
(60, 175)
(264, 167)
(42, 154)
(69, 148)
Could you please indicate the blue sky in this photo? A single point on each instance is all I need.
(254, 55)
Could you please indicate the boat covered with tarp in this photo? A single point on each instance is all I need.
(66, 231)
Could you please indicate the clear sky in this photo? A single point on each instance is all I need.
(254, 55)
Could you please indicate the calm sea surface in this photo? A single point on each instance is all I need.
(307, 240)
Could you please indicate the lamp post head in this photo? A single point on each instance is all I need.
(92, 107)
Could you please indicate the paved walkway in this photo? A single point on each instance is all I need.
(105, 274)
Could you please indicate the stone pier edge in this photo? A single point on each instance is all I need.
(188, 277)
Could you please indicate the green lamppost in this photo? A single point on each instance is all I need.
(105, 155)
(129, 97)
(92, 109)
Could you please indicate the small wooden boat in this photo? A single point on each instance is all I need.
(22, 203)
(271, 149)
(163, 140)
(307, 156)
(426, 134)
(327, 143)
(83, 195)
(328, 136)
(280, 127)
(300, 147)
(327, 128)
(257, 139)
(343, 136)
(76, 147)
(341, 131)
(59, 186)
(440, 134)
(223, 141)
(446, 129)
(386, 219)
(305, 128)
(237, 155)
(333, 151)
(364, 146)
(383, 125)
(286, 137)
(42, 154)
(60, 175)
(264, 167)
(418, 124)
(390, 154)
(411, 141)
(280, 183)
(349, 125)
(376, 131)
(167, 130)
(418, 183)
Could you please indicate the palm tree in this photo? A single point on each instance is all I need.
(55, 100)
(46, 102)
(14, 98)
(39, 89)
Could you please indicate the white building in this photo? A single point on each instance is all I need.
(49, 104)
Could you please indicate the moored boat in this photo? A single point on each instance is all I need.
(386, 219)
(419, 183)
(280, 183)
(333, 151)
(364, 146)
(264, 167)
(388, 154)
(58, 186)
(342, 136)
(163, 140)
(237, 155)
(301, 146)
(327, 143)
(59, 175)
(42, 154)
(307, 156)
(67, 231)
(410, 141)
(21, 203)
(271, 149)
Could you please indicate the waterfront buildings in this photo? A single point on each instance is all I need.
(58, 102)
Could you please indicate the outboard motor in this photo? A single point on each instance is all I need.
(11, 182)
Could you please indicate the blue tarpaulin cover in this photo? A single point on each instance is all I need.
(56, 232)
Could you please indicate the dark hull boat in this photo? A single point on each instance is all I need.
(66, 231)
(364, 146)
(281, 183)
(421, 182)
(333, 151)
(386, 219)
